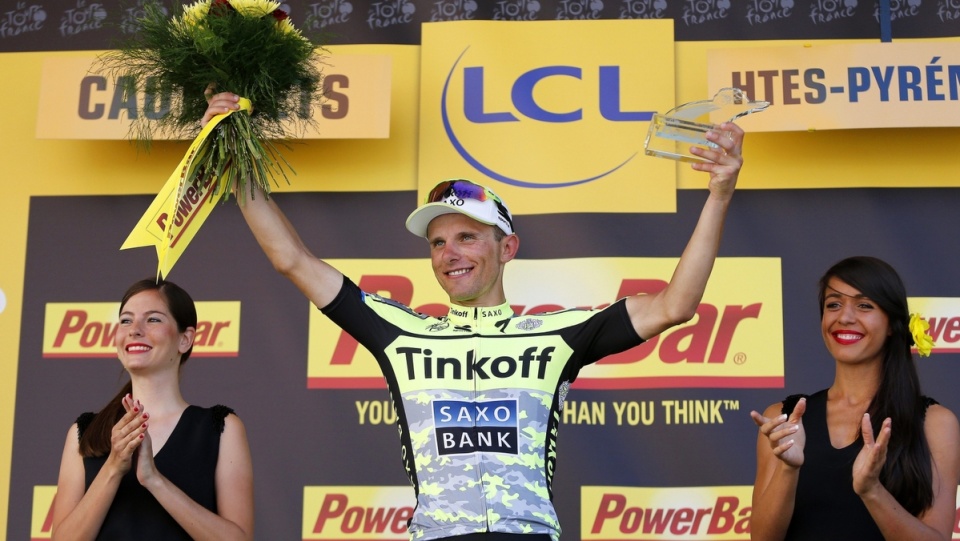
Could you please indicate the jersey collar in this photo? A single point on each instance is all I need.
(479, 316)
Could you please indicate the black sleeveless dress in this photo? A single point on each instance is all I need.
(826, 507)
(188, 459)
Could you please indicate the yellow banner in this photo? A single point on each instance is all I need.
(78, 104)
(736, 340)
(549, 114)
(843, 86)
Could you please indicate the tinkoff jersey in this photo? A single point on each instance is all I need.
(478, 396)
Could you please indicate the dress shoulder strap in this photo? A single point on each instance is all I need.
(83, 421)
(220, 413)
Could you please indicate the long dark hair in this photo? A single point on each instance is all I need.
(95, 439)
(907, 473)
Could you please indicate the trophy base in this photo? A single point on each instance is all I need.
(666, 133)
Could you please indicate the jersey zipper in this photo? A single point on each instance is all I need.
(476, 397)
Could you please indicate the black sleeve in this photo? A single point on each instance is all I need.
(220, 413)
(83, 422)
(349, 311)
(607, 332)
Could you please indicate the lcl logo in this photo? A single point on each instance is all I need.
(523, 97)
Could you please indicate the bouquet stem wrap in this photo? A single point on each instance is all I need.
(185, 201)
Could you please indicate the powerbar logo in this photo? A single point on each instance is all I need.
(41, 517)
(357, 512)
(88, 329)
(471, 427)
(650, 514)
(199, 192)
(943, 315)
(702, 513)
(735, 340)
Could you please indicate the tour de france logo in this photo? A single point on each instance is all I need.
(82, 18)
(517, 10)
(696, 12)
(643, 9)
(329, 13)
(390, 13)
(766, 11)
(24, 18)
(826, 11)
(131, 15)
(453, 10)
(948, 10)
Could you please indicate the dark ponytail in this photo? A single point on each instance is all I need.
(95, 439)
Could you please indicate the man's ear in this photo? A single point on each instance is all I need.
(510, 245)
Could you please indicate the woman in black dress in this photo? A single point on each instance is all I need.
(149, 465)
(870, 457)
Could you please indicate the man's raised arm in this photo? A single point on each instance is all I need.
(279, 240)
(678, 302)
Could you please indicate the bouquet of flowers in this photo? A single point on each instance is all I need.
(248, 47)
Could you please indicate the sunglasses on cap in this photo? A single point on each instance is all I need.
(464, 189)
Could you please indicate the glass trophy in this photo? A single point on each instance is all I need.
(683, 126)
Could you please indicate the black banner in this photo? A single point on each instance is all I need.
(63, 25)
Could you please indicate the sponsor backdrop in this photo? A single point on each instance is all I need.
(656, 443)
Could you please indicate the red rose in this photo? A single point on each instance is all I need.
(279, 15)
(220, 7)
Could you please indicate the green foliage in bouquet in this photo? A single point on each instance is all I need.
(248, 47)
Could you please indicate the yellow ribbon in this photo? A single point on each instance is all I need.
(181, 207)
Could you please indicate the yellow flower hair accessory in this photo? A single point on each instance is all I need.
(918, 329)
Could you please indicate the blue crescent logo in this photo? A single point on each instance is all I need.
(465, 154)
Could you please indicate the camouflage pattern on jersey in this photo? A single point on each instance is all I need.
(477, 395)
